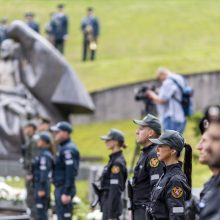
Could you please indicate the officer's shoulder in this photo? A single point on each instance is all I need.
(177, 179)
(118, 162)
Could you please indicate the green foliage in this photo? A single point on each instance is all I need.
(136, 36)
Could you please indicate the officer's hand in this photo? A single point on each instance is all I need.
(65, 199)
(41, 193)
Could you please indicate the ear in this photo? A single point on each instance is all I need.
(173, 152)
(151, 133)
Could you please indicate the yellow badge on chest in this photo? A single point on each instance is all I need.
(115, 169)
(154, 162)
(177, 192)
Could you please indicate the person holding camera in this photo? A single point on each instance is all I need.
(168, 100)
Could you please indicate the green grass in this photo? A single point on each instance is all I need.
(87, 139)
(136, 36)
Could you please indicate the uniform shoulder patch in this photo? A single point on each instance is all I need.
(154, 162)
(68, 155)
(42, 160)
(115, 169)
(177, 192)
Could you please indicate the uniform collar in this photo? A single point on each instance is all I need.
(116, 154)
(64, 142)
(147, 149)
(172, 167)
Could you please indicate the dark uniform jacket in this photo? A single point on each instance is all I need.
(59, 26)
(34, 26)
(93, 22)
(66, 167)
(169, 195)
(209, 205)
(146, 174)
(42, 170)
(113, 184)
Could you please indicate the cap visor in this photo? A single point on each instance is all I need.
(54, 128)
(105, 138)
(139, 122)
(156, 141)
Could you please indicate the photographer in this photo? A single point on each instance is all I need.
(141, 94)
(168, 100)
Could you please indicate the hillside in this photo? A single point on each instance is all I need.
(136, 36)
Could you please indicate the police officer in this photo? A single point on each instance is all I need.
(209, 204)
(29, 16)
(42, 170)
(113, 177)
(59, 28)
(65, 170)
(173, 189)
(30, 151)
(91, 29)
(148, 169)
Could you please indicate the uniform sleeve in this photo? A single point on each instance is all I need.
(71, 160)
(167, 90)
(175, 199)
(155, 169)
(45, 166)
(117, 184)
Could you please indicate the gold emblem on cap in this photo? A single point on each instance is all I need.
(115, 169)
(177, 192)
(154, 162)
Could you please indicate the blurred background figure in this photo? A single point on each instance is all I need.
(3, 29)
(42, 173)
(30, 152)
(168, 100)
(59, 28)
(90, 29)
(29, 18)
(211, 113)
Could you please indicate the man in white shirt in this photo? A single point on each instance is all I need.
(168, 100)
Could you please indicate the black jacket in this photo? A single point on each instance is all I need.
(209, 205)
(169, 195)
(113, 181)
(146, 174)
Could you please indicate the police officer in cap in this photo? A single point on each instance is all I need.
(209, 204)
(174, 187)
(148, 168)
(65, 170)
(113, 177)
(42, 170)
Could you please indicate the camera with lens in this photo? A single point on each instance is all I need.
(141, 95)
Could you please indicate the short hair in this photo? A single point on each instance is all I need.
(90, 9)
(60, 5)
(163, 70)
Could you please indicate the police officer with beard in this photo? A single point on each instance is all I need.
(65, 170)
(209, 205)
(148, 169)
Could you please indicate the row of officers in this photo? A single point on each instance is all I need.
(43, 165)
(161, 185)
